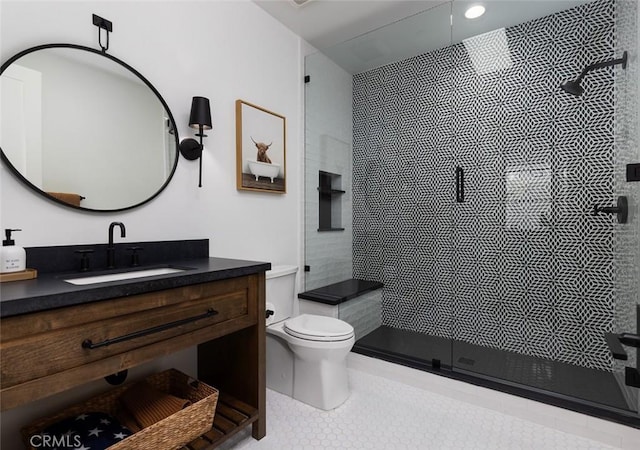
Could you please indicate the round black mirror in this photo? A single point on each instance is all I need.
(84, 128)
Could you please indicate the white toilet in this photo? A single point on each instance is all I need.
(306, 355)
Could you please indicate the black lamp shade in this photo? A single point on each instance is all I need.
(200, 113)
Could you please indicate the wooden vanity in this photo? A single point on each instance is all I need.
(49, 351)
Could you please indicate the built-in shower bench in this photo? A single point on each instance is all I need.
(357, 302)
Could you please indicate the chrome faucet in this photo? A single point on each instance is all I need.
(111, 250)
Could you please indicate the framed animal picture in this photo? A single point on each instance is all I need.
(260, 149)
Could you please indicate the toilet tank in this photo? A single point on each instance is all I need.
(280, 291)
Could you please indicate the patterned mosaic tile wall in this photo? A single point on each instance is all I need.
(521, 265)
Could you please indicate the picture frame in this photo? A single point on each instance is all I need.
(260, 149)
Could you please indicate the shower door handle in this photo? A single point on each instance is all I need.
(459, 184)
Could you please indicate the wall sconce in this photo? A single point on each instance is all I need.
(200, 119)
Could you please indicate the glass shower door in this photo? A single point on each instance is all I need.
(399, 217)
(402, 193)
(539, 278)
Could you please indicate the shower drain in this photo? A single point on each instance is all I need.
(467, 361)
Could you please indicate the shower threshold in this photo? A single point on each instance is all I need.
(588, 391)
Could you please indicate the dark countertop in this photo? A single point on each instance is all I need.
(50, 291)
(337, 293)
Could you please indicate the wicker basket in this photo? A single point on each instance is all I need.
(170, 433)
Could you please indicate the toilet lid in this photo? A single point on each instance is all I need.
(318, 328)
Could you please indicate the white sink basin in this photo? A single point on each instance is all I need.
(123, 276)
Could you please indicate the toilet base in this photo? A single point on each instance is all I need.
(321, 384)
(279, 366)
(314, 373)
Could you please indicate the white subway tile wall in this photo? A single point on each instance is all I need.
(328, 138)
(363, 313)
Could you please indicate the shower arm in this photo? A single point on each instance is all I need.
(602, 65)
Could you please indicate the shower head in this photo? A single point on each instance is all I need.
(573, 87)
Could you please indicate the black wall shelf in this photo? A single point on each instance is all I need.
(330, 202)
(331, 191)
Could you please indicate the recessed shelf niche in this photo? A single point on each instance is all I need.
(330, 196)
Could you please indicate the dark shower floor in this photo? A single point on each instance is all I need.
(419, 350)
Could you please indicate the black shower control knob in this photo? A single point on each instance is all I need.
(630, 339)
(621, 209)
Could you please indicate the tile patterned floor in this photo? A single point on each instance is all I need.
(384, 414)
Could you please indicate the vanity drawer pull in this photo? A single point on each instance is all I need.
(90, 345)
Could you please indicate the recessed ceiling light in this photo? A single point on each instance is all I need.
(474, 12)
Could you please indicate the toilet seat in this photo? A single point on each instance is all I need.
(318, 328)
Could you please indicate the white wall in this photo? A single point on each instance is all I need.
(221, 50)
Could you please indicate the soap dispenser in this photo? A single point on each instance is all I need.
(12, 257)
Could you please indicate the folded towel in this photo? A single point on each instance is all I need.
(94, 430)
(127, 420)
(148, 405)
(72, 199)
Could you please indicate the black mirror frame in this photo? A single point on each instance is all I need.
(136, 73)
